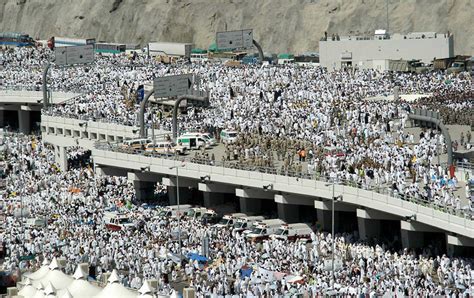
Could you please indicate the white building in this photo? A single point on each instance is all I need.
(375, 51)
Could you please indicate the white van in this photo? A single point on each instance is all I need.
(192, 142)
(136, 144)
(247, 222)
(293, 232)
(117, 221)
(172, 211)
(196, 212)
(35, 223)
(264, 229)
(165, 147)
(229, 219)
(207, 137)
(228, 136)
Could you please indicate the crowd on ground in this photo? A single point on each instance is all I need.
(306, 121)
(74, 203)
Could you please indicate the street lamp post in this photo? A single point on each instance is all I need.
(332, 228)
(179, 213)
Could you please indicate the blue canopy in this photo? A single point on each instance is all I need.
(196, 257)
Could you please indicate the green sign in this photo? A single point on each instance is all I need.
(27, 258)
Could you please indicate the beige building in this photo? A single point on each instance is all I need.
(375, 51)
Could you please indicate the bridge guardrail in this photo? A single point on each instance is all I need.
(374, 189)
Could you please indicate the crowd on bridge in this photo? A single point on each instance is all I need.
(308, 122)
(74, 203)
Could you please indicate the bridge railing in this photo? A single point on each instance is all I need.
(372, 187)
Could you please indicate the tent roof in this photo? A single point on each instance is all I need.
(116, 290)
(57, 278)
(66, 294)
(81, 288)
(146, 288)
(49, 289)
(79, 273)
(113, 278)
(27, 291)
(54, 264)
(38, 274)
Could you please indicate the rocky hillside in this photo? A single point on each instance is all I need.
(279, 25)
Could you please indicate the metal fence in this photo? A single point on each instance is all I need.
(379, 189)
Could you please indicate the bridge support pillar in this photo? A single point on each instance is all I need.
(24, 121)
(144, 190)
(325, 220)
(288, 206)
(288, 213)
(61, 157)
(2, 121)
(368, 228)
(411, 239)
(212, 199)
(460, 246)
(250, 200)
(184, 195)
(324, 214)
(412, 233)
(214, 194)
(369, 222)
(250, 205)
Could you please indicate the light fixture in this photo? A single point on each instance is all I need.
(143, 169)
(205, 178)
(410, 218)
(267, 187)
(82, 124)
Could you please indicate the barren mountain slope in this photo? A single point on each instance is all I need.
(280, 25)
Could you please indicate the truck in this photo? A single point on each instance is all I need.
(461, 65)
(407, 66)
(170, 49)
(264, 229)
(229, 219)
(293, 231)
(445, 63)
(69, 42)
(247, 222)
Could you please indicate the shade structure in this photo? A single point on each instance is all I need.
(41, 272)
(80, 288)
(27, 291)
(116, 290)
(57, 278)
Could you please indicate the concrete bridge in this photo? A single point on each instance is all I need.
(374, 212)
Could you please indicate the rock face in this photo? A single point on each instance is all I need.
(279, 25)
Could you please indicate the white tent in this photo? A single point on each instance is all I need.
(115, 289)
(66, 294)
(38, 274)
(28, 290)
(49, 291)
(80, 287)
(146, 291)
(58, 279)
(39, 290)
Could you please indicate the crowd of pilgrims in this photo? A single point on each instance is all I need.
(74, 203)
(285, 116)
